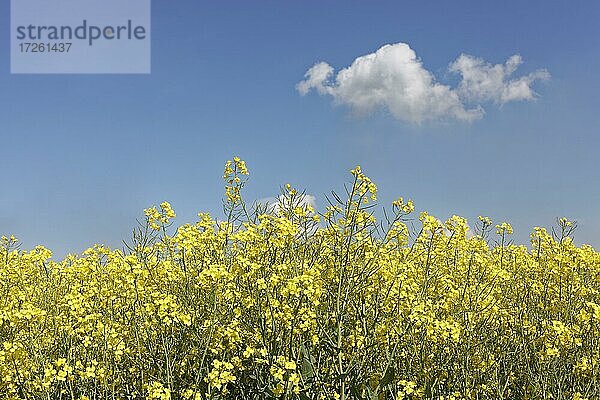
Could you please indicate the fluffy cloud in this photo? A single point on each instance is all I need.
(316, 78)
(274, 205)
(393, 78)
(482, 81)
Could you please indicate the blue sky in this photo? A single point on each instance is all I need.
(82, 155)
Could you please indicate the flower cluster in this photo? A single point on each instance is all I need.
(288, 303)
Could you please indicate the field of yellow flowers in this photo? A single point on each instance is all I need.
(281, 302)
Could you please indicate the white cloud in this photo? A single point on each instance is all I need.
(273, 205)
(316, 77)
(393, 78)
(482, 81)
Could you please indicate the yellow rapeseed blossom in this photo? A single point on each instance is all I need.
(293, 303)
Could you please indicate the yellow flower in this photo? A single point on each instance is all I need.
(304, 304)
